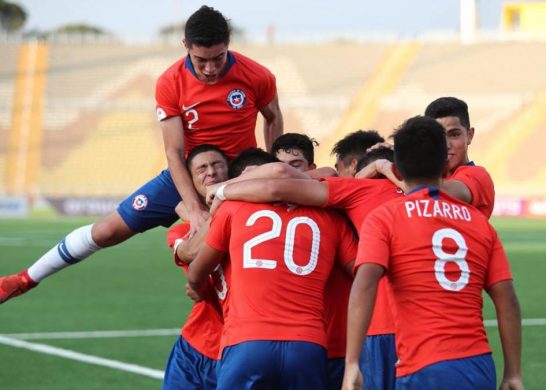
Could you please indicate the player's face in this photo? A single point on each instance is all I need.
(458, 138)
(294, 158)
(344, 170)
(208, 168)
(208, 62)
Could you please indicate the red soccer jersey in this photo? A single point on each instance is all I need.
(357, 197)
(223, 114)
(280, 262)
(440, 254)
(204, 325)
(480, 184)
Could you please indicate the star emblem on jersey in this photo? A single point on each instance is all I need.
(236, 99)
(140, 202)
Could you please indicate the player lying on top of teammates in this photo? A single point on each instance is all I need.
(438, 254)
(280, 261)
(211, 96)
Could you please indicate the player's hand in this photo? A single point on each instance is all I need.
(197, 218)
(511, 384)
(12, 286)
(194, 295)
(380, 145)
(368, 172)
(211, 192)
(352, 378)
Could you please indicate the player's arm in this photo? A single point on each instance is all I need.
(273, 122)
(173, 140)
(303, 192)
(187, 250)
(206, 261)
(321, 172)
(457, 189)
(361, 303)
(508, 311)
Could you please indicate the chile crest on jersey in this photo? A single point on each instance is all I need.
(236, 99)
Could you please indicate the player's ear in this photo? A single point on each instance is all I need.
(470, 135)
(312, 166)
(185, 44)
(396, 172)
(354, 163)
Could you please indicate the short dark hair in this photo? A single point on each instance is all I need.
(420, 149)
(375, 154)
(354, 145)
(289, 141)
(250, 156)
(207, 27)
(202, 149)
(449, 106)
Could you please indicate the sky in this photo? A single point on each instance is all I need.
(141, 19)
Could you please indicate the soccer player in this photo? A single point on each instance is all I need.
(350, 149)
(357, 197)
(296, 150)
(212, 96)
(193, 359)
(274, 332)
(438, 254)
(466, 181)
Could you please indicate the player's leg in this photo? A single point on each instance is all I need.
(378, 362)
(304, 366)
(250, 365)
(336, 368)
(150, 206)
(189, 369)
(476, 372)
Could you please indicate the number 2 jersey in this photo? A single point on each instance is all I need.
(222, 114)
(280, 261)
(439, 254)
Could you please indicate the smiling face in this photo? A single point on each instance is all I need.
(458, 138)
(208, 62)
(208, 168)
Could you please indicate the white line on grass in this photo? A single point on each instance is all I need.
(96, 334)
(524, 322)
(65, 353)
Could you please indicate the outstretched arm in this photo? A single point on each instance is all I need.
(173, 140)
(509, 319)
(206, 261)
(273, 122)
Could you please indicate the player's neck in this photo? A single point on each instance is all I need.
(414, 184)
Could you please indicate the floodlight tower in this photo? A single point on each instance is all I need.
(468, 20)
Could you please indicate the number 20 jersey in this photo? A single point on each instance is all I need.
(280, 261)
(439, 254)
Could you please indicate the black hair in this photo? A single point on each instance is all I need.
(207, 27)
(202, 149)
(375, 154)
(302, 142)
(449, 106)
(250, 156)
(354, 145)
(420, 149)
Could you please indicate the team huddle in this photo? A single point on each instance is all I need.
(369, 275)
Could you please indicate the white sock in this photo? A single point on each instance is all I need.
(75, 247)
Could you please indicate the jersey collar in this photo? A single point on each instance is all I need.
(433, 192)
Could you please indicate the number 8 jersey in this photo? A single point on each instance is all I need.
(439, 254)
(280, 261)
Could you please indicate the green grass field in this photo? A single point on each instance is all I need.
(136, 286)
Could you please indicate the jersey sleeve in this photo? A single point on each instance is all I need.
(266, 89)
(343, 191)
(499, 268)
(220, 228)
(175, 236)
(346, 251)
(166, 96)
(480, 185)
(373, 245)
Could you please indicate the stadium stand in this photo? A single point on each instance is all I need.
(97, 135)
